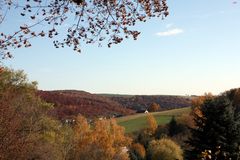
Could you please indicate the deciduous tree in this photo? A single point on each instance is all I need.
(154, 107)
(104, 141)
(91, 21)
(26, 132)
(152, 123)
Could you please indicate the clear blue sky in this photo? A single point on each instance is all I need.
(196, 49)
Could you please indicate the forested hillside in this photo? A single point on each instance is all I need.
(142, 102)
(71, 103)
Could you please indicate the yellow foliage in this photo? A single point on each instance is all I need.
(105, 140)
(164, 149)
(152, 123)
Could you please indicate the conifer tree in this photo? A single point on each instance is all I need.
(217, 130)
(173, 127)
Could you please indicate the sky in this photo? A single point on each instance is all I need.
(196, 49)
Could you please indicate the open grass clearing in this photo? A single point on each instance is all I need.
(139, 121)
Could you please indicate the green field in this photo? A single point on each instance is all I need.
(138, 121)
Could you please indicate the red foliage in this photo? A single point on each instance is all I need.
(141, 102)
(73, 103)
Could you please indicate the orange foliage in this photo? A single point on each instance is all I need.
(152, 123)
(154, 107)
(139, 150)
(10, 139)
(105, 140)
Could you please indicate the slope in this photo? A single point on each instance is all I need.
(70, 103)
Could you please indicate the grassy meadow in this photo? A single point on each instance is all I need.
(136, 122)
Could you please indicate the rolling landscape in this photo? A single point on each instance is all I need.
(119, 80)
(70, 103)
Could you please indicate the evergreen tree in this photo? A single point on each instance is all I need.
(217, 129)
(175, 128)
(172, 127)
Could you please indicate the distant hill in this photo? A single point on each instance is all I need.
(142, 102)
(70, 103)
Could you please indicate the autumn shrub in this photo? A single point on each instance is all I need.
(137, 152)
(164, 149)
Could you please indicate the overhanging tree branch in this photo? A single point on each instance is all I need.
(95, 21)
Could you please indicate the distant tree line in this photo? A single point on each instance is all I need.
(139, 103)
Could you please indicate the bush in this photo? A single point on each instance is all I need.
(164, 149)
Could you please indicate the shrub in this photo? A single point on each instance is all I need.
(164, 149)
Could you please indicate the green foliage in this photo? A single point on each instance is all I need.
(177, 131)
(140, 123)
(164, 149)
(175, 128)
(217, 129)
(15, 80)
